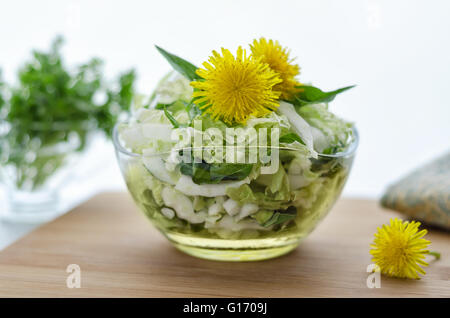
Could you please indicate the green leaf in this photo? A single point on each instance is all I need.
(311, 94)
(161, 106)
(172, 119)
(280, 217)
(203, 172)
(193, 110)
(224, 171)
(180, 65)
(173, 107)
(290, 138)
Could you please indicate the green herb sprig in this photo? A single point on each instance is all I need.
(313, 95)
(53, 103)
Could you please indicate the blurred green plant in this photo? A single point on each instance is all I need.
(53, 111)
(2, 99)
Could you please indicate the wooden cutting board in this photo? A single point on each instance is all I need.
(121, 255)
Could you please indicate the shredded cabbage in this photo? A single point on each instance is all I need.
(241, 202)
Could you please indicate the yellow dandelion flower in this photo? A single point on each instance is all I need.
(234, 89)
(272, 53)
(399, 249)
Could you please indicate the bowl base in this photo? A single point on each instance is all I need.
(31, 207)
(236, 255)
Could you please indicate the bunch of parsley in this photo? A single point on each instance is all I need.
(52, 104)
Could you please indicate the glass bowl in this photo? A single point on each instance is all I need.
(241, 224)
(32, 175)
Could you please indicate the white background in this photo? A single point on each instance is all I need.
(396, 52)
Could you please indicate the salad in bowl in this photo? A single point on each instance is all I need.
(236, 160)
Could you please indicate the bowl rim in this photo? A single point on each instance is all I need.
(350, 151)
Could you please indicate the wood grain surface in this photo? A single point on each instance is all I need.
(121, 255)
